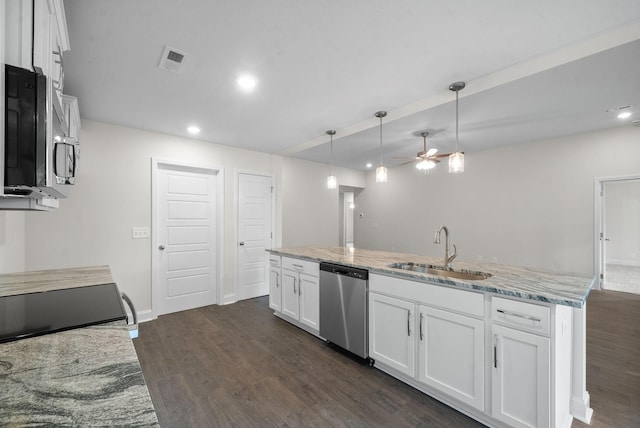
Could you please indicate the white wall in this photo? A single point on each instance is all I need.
(310, 211)
(622, 208)
(527, 205)
(113, 194)
(12, 241)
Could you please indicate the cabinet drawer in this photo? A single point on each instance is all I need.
(302, 266)
(274, 261)
(521, 315)
(461, 301)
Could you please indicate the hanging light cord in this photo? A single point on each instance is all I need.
(457, 120)
(331, 134)
(380, 140)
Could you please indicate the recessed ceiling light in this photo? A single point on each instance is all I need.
(246, 82)
(193, 130)
(369, 165)
(624, 114)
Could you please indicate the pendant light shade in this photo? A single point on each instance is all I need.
(456, 159)
(332, 181)
(381, 171)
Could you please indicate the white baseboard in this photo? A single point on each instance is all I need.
(624, 262)
(580, 408)
(144, 316)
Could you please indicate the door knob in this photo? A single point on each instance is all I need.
(161, 247)
(241, 243)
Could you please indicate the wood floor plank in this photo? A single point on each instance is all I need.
(239, 365)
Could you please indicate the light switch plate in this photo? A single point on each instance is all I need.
(140, 233)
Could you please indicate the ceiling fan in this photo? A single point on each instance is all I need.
(426, 159)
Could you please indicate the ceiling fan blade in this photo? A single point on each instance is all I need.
(405, 163)
(443, 155)
(432, 151)
(406, 157)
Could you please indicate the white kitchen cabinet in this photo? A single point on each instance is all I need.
(521, 378)
(309, 294)
(531, 364)
(36, 39)
(275, 283)
(290, 297)
(301, 293)
(451, 354)
(71, 114)
(391, 332)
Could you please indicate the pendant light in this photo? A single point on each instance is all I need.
(456, 159)
(381, 171)
(332, 181)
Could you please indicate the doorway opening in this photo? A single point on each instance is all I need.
(346, 214)
(618, 233)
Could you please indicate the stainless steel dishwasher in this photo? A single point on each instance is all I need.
(343, 307)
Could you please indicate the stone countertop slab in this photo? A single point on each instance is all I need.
(88, 376)
(57, 279)
(531, 284)
(84, 377)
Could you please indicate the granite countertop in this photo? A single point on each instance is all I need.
(88, 376)
(531, 284)
(56, 279)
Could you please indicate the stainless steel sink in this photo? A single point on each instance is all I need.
(469, 275)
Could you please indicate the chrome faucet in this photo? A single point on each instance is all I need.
(448, 258)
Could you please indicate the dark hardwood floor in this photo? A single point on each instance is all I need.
(238, 365)
(613, 359)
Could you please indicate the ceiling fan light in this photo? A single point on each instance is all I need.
(456, 162)
(381, 174)
(332, 182)
(425, 165)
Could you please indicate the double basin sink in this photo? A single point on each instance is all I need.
(463, 274)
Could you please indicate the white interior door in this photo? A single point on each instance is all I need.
(186, 241)
(254, 234)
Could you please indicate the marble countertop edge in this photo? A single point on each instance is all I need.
(511, 281)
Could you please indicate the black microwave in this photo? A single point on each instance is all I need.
(40, 160)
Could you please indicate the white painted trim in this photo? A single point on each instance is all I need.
(598, 186)
(580, 403)
(220, 222)
(631, 263)
(144, 316)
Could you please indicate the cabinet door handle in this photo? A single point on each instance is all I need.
(421, 317)
(495, 351)
(277, 280)
(294, 286)
(408, 323)
(519, 315)
(298, 266)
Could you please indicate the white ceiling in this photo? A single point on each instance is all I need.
(534, 69)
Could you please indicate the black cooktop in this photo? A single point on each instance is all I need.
(36, 314)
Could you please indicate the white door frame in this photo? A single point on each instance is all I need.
(236, 209)
(213, 170)
(598, 223)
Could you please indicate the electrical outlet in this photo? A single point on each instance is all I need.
(494, 259)
(480, 258)
(139, 233)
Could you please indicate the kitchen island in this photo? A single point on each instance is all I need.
(82, 377)
(506, 347)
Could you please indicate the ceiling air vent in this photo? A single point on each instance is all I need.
(173, 59)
